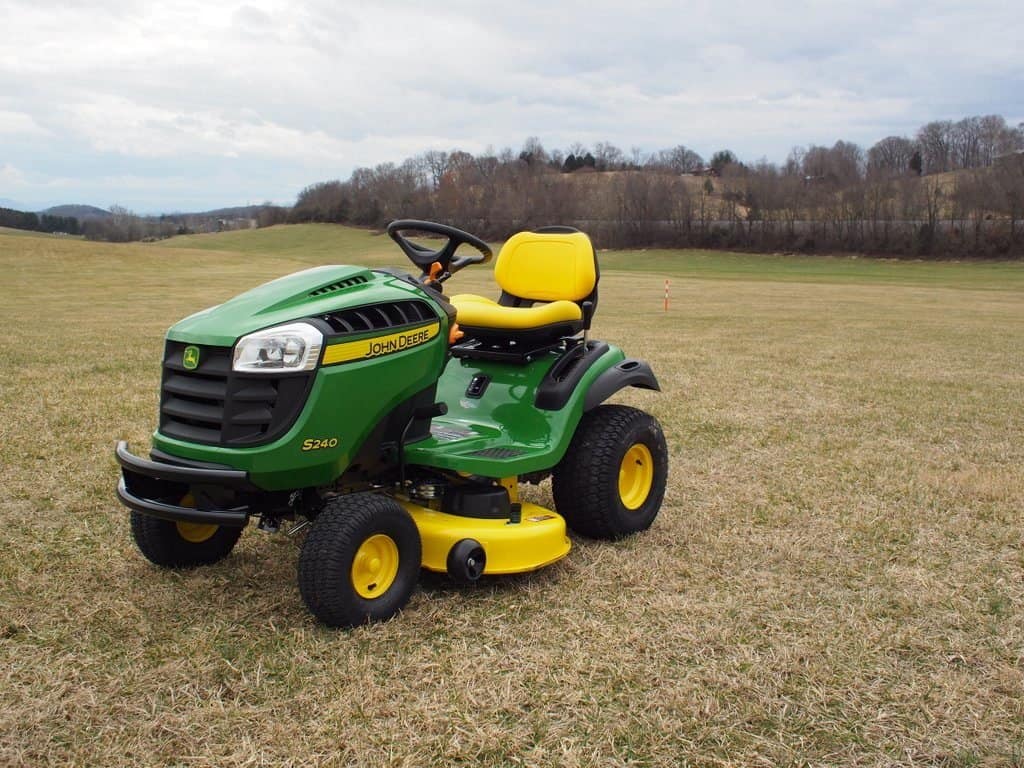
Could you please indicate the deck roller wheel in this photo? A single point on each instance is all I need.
(466, 561)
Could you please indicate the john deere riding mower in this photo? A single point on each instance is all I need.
(399, 423)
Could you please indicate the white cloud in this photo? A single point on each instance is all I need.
(19, 123)
(11, 177)
(119, 125)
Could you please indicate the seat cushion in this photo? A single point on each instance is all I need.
(542, 266)
(479, 312)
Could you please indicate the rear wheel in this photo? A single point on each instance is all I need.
(612, 479)
(360, 561)
(182, 545)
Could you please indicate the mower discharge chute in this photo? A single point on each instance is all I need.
(399, 423)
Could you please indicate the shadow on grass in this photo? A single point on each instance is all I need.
(258, 584)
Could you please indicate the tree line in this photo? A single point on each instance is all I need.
(39, 222)
(124, 226)
(953, 189)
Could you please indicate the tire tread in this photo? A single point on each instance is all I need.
(162, 545)
(325, 561)
(584, 481)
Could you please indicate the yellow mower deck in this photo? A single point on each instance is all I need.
(539, 539)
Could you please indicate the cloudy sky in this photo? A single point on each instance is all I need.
(183, 105)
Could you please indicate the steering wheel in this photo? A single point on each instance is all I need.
(423, 257)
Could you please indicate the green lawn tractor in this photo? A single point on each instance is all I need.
(399, 423)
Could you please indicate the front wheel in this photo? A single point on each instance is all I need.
(182, 545)
(360, 561)
(612, 479)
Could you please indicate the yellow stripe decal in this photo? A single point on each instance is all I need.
(376, 346)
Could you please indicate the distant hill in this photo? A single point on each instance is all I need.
(239, 212)
(80, 212)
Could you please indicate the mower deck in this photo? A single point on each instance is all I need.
(538, 539)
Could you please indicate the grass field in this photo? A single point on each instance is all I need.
(836, 577)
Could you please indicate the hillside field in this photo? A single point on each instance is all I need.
(836, 576)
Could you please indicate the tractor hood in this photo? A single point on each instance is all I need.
(303, 294)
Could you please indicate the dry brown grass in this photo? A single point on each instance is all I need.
(837, 575)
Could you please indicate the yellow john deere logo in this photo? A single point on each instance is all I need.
(348, 351)
(190, 358)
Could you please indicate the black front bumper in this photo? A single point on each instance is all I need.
(150, 487)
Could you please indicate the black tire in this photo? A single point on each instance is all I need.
(586, 483)
(181, 545)
(336, 592)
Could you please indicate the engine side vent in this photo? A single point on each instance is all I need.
(341, 285)
(379, 317)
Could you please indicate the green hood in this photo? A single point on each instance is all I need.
(310, 292)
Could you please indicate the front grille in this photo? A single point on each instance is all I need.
(379, 317)
(215, 405)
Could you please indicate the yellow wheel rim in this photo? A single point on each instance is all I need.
(375, 566)
(636, 476)
(194, 533)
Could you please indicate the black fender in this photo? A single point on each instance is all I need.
(628, 373)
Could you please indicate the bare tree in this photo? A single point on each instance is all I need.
(999, 139)
(436, 163)
(965, 143)
(679, 159)
(608, 156)
(1009, 185)
(577, 148)
(794, 162)
(846, 161)
(533, 152)
(890, 157)
(838, 165)
(935, 143)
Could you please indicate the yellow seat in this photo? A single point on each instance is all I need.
(557, 267)
(479, 312)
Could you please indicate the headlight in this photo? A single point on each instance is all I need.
(292, 347)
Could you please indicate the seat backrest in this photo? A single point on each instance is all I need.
(547, 266)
